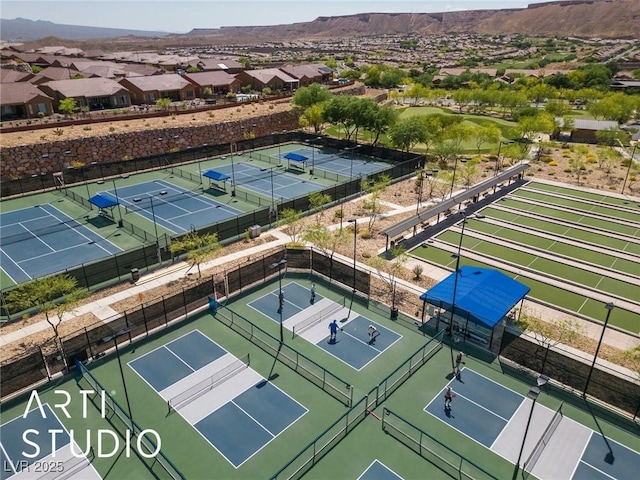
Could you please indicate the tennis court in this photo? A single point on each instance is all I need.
(42, 240)
(173, 207)
(235, 409)
(270, 182)
(555, 446)
(342, 163)
(310, 320)
(41, 453)
(379, 471)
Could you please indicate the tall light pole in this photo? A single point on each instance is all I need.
(273, 201)
(233, 176)
(455, 167)
(355, 242)
(455, 279)
(313, 154)
(279, 265)
(609, 306)
(533, 396)
(115, 191)
(631, 160)
(114, 337)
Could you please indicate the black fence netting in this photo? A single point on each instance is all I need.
(573, 372)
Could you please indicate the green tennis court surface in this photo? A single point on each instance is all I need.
(252, 420)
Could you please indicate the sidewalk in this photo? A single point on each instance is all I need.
(102, 308)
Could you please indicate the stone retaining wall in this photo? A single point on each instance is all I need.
(24, 161)
(53, 156)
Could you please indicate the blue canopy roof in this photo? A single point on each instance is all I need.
(296, 157)
(483, 295)
(103, 201)
(212, 174)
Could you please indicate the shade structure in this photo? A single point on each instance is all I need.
(102, 201)
(217, 176)
(295, 157)
(483, 295)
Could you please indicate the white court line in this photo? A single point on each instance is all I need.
(584, 449)
(118, 249)
(26, 473)
(179, 358)
(28, 230)
(18, 266)
(369, 344)
(513, 417)
(6, 455)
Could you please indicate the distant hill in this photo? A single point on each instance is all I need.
(567, 18)
(580, 18)
(23, 30)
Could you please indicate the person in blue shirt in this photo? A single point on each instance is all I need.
(333, 328)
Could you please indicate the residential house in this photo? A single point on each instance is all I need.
(20, 100)
(147, 90)
(220, 83)
(228, 65)
(305, 74)
(94, 93)
(273, 78)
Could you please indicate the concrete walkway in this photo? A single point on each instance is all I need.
(102, 308)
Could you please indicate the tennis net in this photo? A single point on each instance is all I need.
(316, 318)
(544, 440)
(208, 384)
(186, 175)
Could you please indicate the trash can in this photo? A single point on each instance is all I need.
(135, 275)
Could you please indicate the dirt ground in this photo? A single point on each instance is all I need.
(556, 166)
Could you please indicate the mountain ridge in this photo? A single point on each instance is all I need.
(566, 18)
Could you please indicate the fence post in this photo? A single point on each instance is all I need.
(164, 309)
(86, 334)
(44, 362)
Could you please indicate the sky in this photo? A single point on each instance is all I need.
(174, 16)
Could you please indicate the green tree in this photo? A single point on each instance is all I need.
(313, 117)
(318, 201)
(306, 97)
(207, 92)
(381, 120)
(326, 240)
(488, 133)
(57, 293)
(68, 105)
(388, 272)
(163, 103)
(291, 222)
(198, 247)
(374, 187)
(611, 136)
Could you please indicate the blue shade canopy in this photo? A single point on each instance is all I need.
(483, 295)
(296, 157)
(218, 176)
(102, 201)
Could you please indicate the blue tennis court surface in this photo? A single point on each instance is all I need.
(556, 447)
(270, 181)
(379, 471)
(41, 240)
(173, 207)
(310, 320)
(232, 407)
(349, 165)
(21, 459)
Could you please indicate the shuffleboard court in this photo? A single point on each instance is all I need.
(42, 240)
